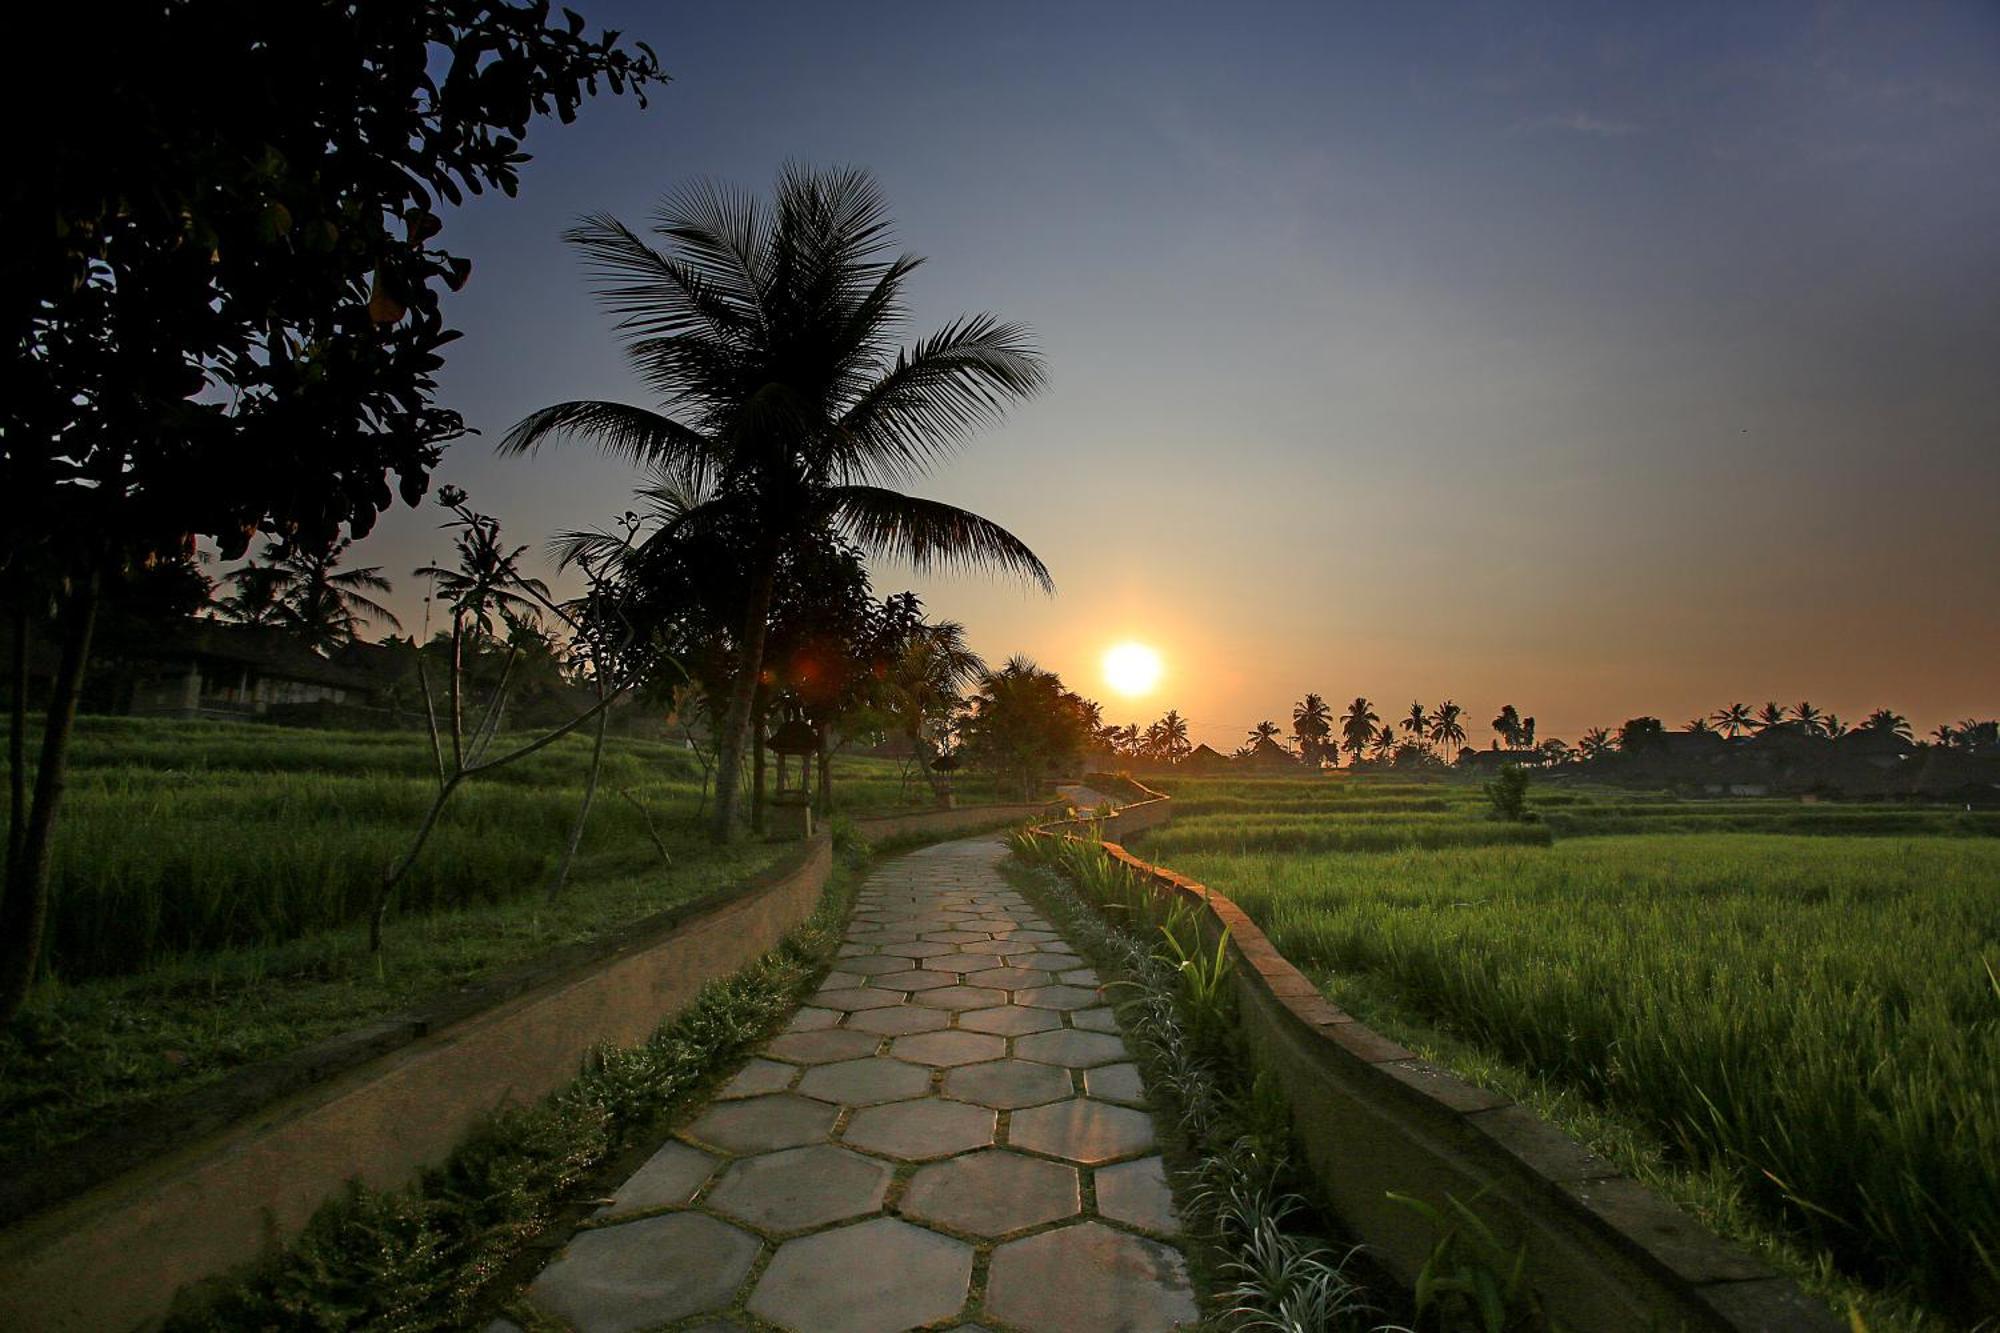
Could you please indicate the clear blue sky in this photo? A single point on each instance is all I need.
(1597, 359)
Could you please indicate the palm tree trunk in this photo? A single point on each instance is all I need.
(24, 911)
(742, 694)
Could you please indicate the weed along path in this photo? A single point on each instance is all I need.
(950, 1134)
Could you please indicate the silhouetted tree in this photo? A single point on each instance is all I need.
(768, 333)
(221, 291)
(1507, 726)
(1733, 720)
(1357, 727)
(1885, 720)
(1024, 724)
(1639, 734)
(1596, 743)
(1417, 724)
(1447, 730)
(1265, 730)
(323, 607)
(1770, 716)
(1312, 724)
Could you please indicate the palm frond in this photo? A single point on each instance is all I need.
(657, 295)
(930, 534)
(938, 393)
(646, 437)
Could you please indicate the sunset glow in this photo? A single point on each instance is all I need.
(1132, 669)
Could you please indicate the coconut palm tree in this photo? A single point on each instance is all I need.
(1944, 735)
(1696, 726)
(1883, 719)
(1417, 724)
(1446, 728)
(1831, 727)
(1173, 737)
(1384, 746)
(256, 600)
(1312, 723)
(1596, 743)
(770, 335)
(1733, 720)
(1357, 726)
(299, 589)
(1811, 721)
(1770, 716)
(1263, 731)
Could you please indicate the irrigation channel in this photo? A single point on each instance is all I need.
(951, 1127)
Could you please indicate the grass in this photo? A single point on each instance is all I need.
(210, 880)
(439, 1254)
(1814, 1019)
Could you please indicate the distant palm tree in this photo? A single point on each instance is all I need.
(487, 581)
(1810, 720)
(1385, 743)
(1312, 723)
(1357, 726)
(1769, 716)
(1173, 736)
(1733, 721)
(1507, 726)
(1831, 727)
(1945, 735)
(1883, 719)
(1417, 723)
(256, 600)
(770, 335)
(298, 588)
(1527, 737)
(1446, 728)
(1596, 743)
(1266, 730)
(1697, 726)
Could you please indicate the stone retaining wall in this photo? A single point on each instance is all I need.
(389, 1101)
(1605, 1253)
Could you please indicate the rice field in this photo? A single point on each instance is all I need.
(211, 881)
(1804, 997)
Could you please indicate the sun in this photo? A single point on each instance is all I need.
(1132, 669)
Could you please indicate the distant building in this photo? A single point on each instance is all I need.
(1267, 756)
(208, 668)
(1205, 760)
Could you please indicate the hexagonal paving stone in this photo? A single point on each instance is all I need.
(667, 1180)
(1046, 997)
(646, 1273)
(1095, 1020)
(1048, 962)
(763, 1123)
(960, 997)
(801, 1187)
(853, 1001)
(915, 1130)
(866, 1082)
(897, 1022)
(757, 1078)
(814, 1048)
(1007, 1084)
(879, 1276)
(1081, 976)
(1082, 1131)
(876, 964)
(812, 1020)
(1009, 978)
(956, 936)
(924, 949)
(1115, 1083)
(1009, 1020)
(1137, 1193)
(1077, 1050)
(1089, 1278)
(948, 1048)
(916, 980)
(833, 981)
(991, 1193)
(1013, 946)
(961, 962)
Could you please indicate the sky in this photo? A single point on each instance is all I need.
(1602, 360)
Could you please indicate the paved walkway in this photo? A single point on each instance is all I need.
(949, 1128)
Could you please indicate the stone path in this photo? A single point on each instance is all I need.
(951, 1127)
